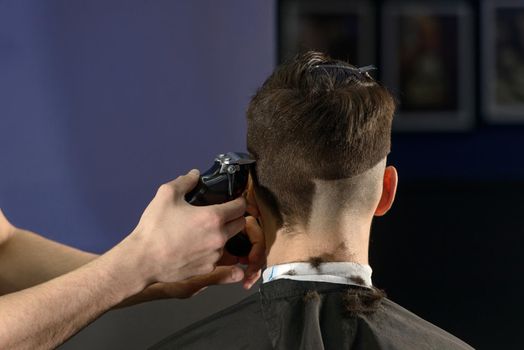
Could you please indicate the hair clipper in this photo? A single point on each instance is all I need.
(225, 181)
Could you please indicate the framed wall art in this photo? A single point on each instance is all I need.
(343, 29)
(428, 63)
(503, 61)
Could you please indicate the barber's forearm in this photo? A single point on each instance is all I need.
(173, 241)
(44, 316)
(27, 259)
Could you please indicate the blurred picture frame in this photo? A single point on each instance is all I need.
(343, 29)
(503, 61)
(428, 63)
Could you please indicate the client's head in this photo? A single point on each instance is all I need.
(320, 131)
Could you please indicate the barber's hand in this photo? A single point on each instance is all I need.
(194, 285)
(229, 273)
(186, 288)
(177, 240)
(226, 274)
(256, 259)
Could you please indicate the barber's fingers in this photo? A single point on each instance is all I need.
(222, 275)
(257, 255)
(231, 210)
(194, 285)
(250, 280)
(233, 227)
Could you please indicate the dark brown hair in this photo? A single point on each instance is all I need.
(314, 118)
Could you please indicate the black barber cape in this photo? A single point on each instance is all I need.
(288, 314)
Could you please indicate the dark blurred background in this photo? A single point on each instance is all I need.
(102, 101)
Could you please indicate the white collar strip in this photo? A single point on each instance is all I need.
(331, 272)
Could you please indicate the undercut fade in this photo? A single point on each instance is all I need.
(314, 118)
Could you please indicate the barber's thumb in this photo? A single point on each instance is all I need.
(193, 175)
(186, 183)
(194, 172)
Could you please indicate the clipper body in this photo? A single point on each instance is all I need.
(225, 181)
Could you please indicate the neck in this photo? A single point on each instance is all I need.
(347, 242)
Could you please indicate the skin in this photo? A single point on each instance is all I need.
(348, 240)
(49, 291)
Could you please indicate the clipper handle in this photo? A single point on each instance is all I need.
(224, 181)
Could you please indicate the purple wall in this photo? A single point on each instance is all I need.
(102, 101)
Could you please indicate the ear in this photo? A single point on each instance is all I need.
(389, 190)
(252, 206)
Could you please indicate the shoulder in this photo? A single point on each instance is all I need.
(393, 320)
(237, 326)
